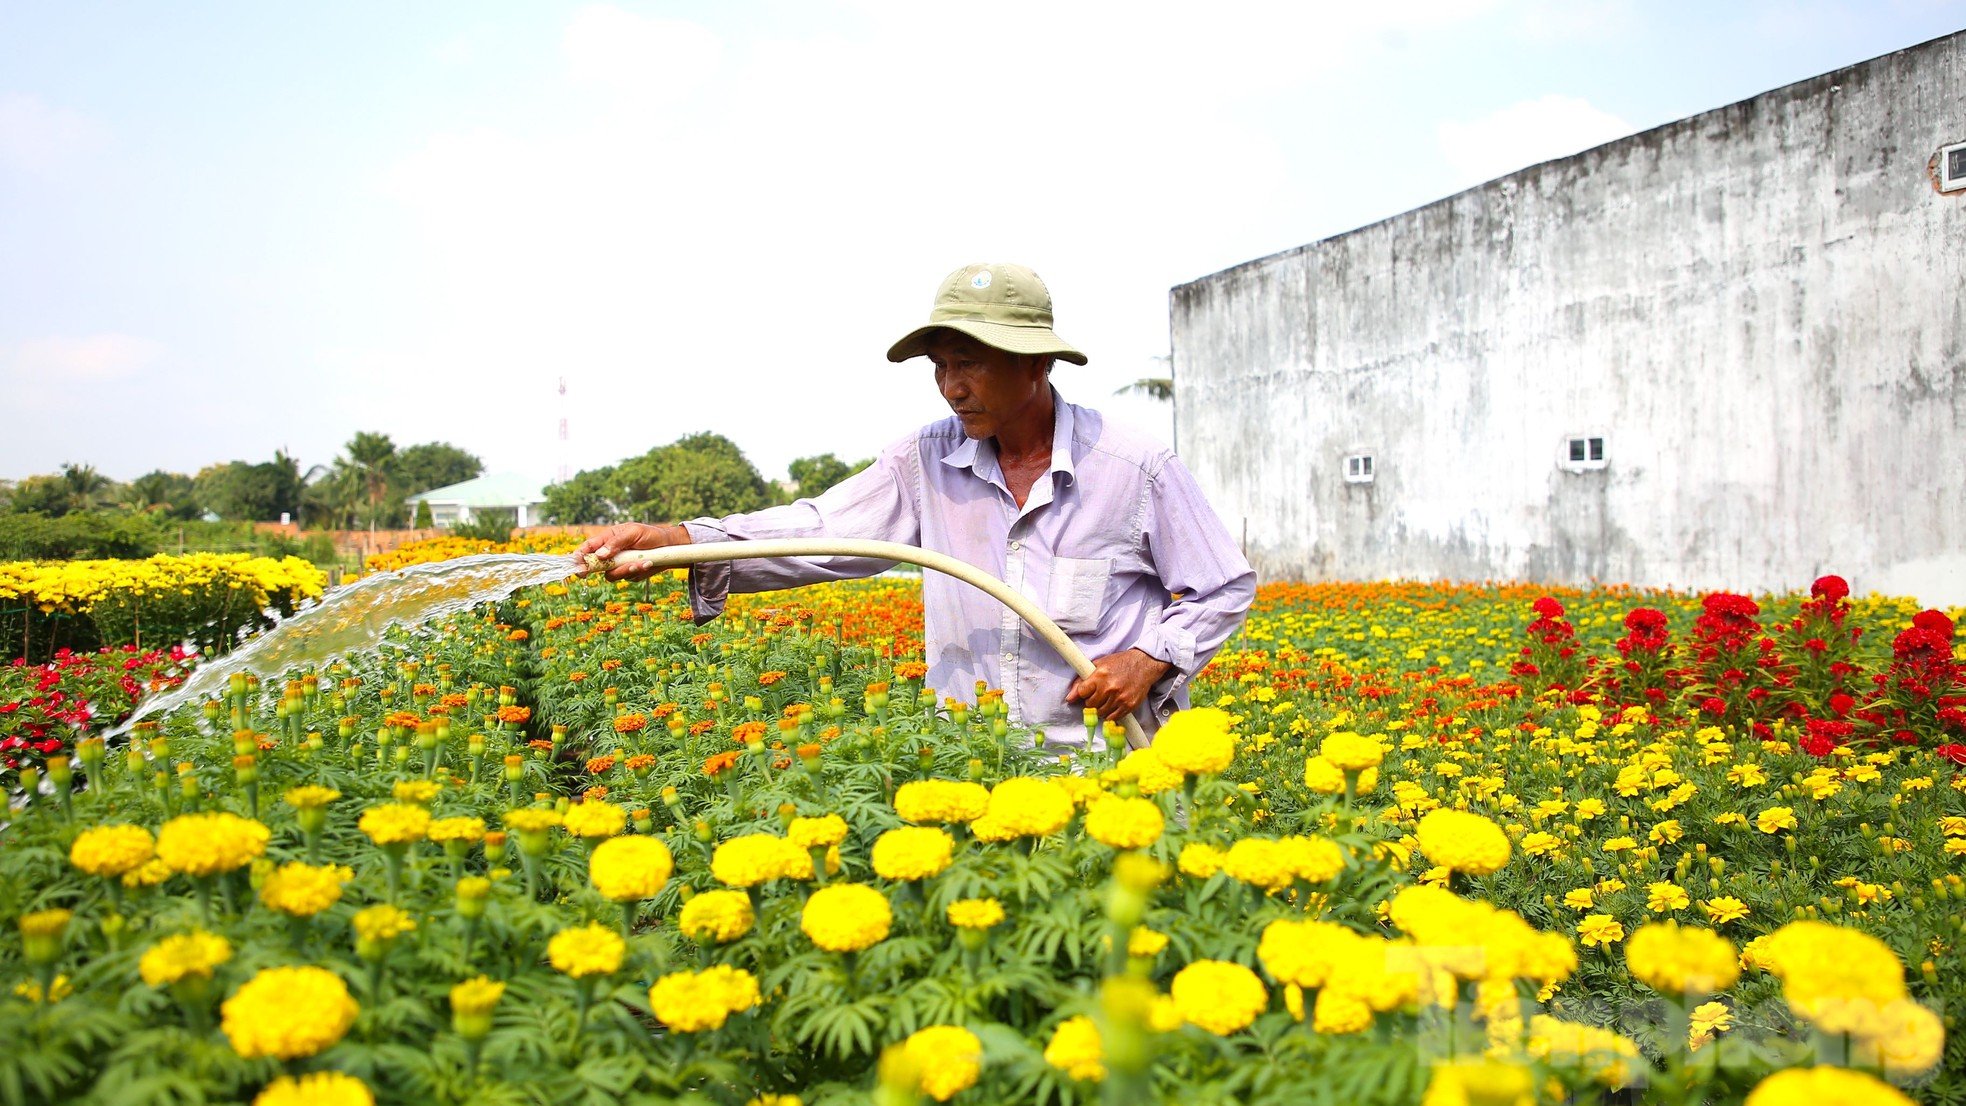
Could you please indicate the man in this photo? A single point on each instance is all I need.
(1101, 526)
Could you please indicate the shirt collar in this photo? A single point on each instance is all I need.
(980, 457)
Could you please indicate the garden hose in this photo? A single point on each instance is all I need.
(678, 556)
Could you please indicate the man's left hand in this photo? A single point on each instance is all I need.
(1118, 684)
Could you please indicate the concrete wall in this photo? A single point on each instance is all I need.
(1761, 308)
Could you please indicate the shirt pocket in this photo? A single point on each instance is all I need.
(1078, 592)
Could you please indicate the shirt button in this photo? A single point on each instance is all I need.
(1016, 545)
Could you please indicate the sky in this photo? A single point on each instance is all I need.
(231, 228)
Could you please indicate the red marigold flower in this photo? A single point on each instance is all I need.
(1547, 607)
(1831, 588)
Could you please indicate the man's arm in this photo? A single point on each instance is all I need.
(874, 504)
(1199, 561)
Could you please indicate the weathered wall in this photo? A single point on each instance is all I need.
(1762, 308)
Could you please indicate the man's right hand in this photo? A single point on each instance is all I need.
(626, 536)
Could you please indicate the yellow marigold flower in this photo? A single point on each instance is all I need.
(1663, 896)
(1724, 908)
(1953, 825)
(210, 844)
(420, 792)
(1124, 823)
(382, 922)
(187, 956)
(776, 1100)
(310, 796)
(1707, 1019)
(594, 819)
(1199, 861)
(1539, 843)
(822, 832)
(288, 1013)
(1463, 842)
(931, 801)
(1609, 1058)
(1027, 807)
(627, 869)
(1906, 1040)
(1077, 1050)
(692, 1002)
(321, 1088)
(1218, 995)
(912, 852)
(1196, 742)
(592, 949)
(303, 890)
(1304, 953)
(1145, 943)
(947, 1059)
(1620, 844)
(1146, 771)
(148, 874)
(717, 917)
(1588, 809)
(110, 851)
(472, 1003)
(1666, 832)
(1326, 778)
(1822, 1085)
(756, 858)
(531, 820)
(846, 917)
(1480, 1083)
(1600, 929)
(1580, 898)
(395, 823)
(1730, 818)
(1837, 978)
(468, 830)
(975, 913)
(59, 989)
(1681, 961)
(1350, 752)
(1775, 819)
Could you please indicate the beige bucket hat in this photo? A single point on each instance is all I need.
(1005, 306)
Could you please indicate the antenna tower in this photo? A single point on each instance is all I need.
(565, 474)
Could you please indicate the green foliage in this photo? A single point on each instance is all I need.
(702, 474)
(165, 494)
(815, 474)
(486, 525)
(36, 537)
(237, 490)
(582, 500)
(424, 519)
(419, 468)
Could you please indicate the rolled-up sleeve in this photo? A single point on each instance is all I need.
(1197, 560)
(878, 503)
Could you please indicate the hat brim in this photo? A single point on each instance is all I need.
(1028, 340)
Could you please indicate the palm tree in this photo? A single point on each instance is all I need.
(1153, 387)
(370, 456)
(83, 485)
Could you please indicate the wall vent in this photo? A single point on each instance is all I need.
(1952, 167)
(1583, 452)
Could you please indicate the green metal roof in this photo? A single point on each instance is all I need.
(503, 489)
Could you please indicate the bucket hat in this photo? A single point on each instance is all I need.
(1003, 306)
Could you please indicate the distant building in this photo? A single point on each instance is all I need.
(1729, 351)
(500, 493)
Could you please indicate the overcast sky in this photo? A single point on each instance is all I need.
(227, 228)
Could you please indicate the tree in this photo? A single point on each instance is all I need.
(372, 457)
(248, 492)
(40, 495)
(424, 519)
(163, 493)
(1154, 387)
(581, 501)
(420, 468)
(815, 474)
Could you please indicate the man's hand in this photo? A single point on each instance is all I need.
(626, 536)
(1118, 684)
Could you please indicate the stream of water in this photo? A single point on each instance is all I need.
(356, 617)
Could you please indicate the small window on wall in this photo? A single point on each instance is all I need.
(1584, 451)
(1358, 468)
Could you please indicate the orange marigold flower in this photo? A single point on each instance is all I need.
(663, 710)
(540, 743)
(766, 679)
(640, 761)
(515, 716)
(594, 794)
(808, 750)
(698, 729)
(576, 677)
(746, 732)
(630, 723)
(517, 635)
(712, 765)
(402, 719)
(598, 765)
(610, 665)
(700, 640)
(910, 670)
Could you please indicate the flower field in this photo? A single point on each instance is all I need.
(1416, 844)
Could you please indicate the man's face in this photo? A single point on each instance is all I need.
(986, 387)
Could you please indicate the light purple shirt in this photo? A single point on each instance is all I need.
(1104, 540)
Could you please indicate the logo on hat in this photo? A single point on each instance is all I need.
(980, 281)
